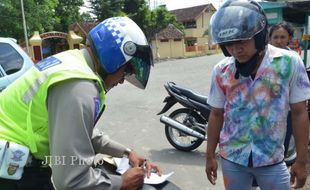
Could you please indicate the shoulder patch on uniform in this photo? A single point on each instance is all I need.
(47, 63)
(97, 107)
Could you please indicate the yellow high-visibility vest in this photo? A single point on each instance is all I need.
(23, 111)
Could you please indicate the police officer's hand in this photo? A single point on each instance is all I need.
(298, 173)
(136, 160)
(133, 179)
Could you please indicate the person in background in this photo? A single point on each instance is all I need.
(251, 92)
(280, 35)
(48, 115)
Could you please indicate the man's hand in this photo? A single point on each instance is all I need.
(298, 175)
(211, 170)
(133, 179)
(300, 124)
(215, 124)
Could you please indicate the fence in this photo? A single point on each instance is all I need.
(200, 48)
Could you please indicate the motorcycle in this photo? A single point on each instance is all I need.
(186, 127)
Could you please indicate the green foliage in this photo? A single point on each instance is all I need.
(150, 22)
(48, 15)
(139, 12)
(10, 19)
(103, 9)
(160, 19)
(39, 16)
(86, 17)
(68, 12)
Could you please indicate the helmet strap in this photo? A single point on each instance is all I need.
(247, 68)
(101, 73)
(224, 50)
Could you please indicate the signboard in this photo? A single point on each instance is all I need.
(48, 35)
(272, 15)
(306, 37)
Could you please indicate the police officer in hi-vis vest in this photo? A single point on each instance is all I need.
(49, 114)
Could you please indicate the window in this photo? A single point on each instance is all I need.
(191, 42)
(190, 24)
(10, 60)
(1, 74)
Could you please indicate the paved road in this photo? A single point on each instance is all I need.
(130, 117)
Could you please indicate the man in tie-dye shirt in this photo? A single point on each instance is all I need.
(251, 92)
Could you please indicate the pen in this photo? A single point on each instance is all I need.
(143, 166)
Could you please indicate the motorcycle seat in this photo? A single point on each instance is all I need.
(190, 94)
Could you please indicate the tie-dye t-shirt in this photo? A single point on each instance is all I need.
(255, 111)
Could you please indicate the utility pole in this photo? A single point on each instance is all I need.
(24, 24)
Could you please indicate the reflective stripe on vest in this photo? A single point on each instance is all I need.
(33, 89)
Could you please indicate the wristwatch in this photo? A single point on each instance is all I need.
(127, 152)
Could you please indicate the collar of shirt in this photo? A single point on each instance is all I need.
(271, 53)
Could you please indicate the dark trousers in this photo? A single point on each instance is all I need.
(167, 185)
(38, 178)
(34, 178)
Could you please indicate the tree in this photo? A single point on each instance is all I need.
(103, 9)
(139, 12)
(10, 20)
(39, 15)
(86, 17)
(150, 22)
(68, 13)
(160, 19)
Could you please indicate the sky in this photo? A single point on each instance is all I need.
(178, 4)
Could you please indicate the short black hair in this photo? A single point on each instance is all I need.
(287, 26)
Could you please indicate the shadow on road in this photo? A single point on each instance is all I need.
(178, 157)
(173, 156)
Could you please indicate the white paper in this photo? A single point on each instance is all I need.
(123, 165)
(156, 179)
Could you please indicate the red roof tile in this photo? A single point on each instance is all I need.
(170, 32)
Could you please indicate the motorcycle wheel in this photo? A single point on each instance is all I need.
(179, 139)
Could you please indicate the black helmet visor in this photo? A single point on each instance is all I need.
(140, 65)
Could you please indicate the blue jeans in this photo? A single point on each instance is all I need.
(237, 177)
